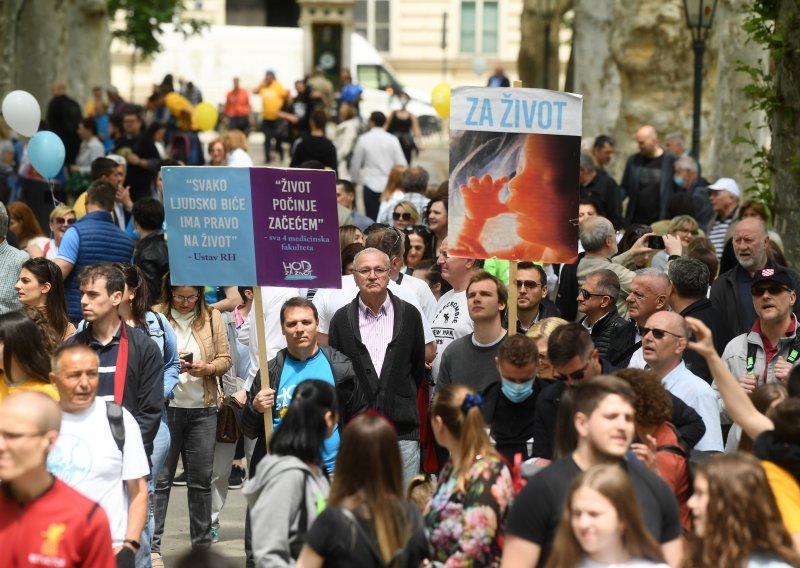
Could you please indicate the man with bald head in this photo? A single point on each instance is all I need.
(664, 339)
(648, 295)
(647, 180)
(730, 293)
(599, 240)
(43, 522)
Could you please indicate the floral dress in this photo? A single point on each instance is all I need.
(465, 528)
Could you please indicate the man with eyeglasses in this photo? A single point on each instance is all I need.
(383, 337)
(664, 340)
(768, 352)
(730, 293)
(648, 295)
(611, 334)
(532, 302)
(574, 358)
(43, 521)
(131, 365)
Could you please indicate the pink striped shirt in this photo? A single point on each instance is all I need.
(376, 330)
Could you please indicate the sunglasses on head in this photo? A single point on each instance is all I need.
(404, 216)
(659, 333)
(773, 290)
(62, 220)
(421, 230)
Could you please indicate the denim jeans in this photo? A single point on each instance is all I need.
(271, 132)
(194, 434)
(223, 456)
(409, 454)
(160, 450)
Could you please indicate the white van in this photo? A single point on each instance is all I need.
(212, 58)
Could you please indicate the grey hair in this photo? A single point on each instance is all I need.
(3, 221)
(415, 179)
(587, 162)
(689, 276)
(371, 250)
(651, 272)
(607, 281)
(594, 232)
(676, 136)
(687, 163)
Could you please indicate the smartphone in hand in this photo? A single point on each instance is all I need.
(187, 358)
(656, 242)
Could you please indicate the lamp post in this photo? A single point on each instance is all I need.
(544, 9)
(699, 17)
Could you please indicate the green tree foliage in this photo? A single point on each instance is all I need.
(143, 18)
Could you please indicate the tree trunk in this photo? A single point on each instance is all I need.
(45, 40)
(530, 64)
(734, 49)
(786, 134)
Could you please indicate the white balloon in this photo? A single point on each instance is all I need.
(479, 66)
(22, 112)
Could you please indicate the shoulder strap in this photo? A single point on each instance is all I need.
(794, 350)
(752, 350)
(117, 424)
(371, 546)
(302, 525)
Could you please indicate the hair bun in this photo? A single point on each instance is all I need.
(470, 401)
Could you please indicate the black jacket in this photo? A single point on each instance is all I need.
(725, 298)
(605, 191)
(566, 296)
(688, 422)
(613, 336)
(393, 390)
(547, 309)
(350, 396)
(153, 258)
(143, 395)
(704, 311)
(631, 181)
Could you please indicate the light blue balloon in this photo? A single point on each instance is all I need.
(46, 153)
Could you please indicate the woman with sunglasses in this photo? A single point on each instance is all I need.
(404, 214)
(192, 412)
(61, 219)
(41, 286)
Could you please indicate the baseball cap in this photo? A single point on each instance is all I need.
(726, 184)
(773, 274)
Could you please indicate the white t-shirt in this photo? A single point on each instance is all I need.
(422, 291)
(87, 459)
(328, 301)
(450, 322)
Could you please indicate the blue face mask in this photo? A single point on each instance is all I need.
(679, 181)
(517, 392)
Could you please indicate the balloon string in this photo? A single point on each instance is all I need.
(56, 202)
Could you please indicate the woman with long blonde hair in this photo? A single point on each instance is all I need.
(464, 520)
(601, 524)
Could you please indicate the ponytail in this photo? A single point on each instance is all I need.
(460, 410)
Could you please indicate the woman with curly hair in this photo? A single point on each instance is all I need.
(41, 286)
(736, 519)
(657, 443)
(601, 525)
(464, 520)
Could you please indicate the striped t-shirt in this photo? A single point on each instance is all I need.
(717, 234)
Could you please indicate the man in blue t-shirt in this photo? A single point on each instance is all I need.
(302, 359)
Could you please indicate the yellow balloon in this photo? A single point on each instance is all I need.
(205, 116)
(440, 99)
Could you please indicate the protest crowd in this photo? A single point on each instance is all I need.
(641, 409)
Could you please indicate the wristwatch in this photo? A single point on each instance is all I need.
(134, 544)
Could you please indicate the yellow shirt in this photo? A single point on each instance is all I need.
(787, 494)
(37, 386)
(272, 99)
(176, 104)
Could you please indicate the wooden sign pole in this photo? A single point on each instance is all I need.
(512, 278)
(258, 306)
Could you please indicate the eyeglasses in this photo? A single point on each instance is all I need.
(577, 375)
(773, 290)
(404, 216)
(14, 436)
(190, 299)
(532, 284)
(659, 333)
(365, 272)
(586, 294)
(63, 221)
